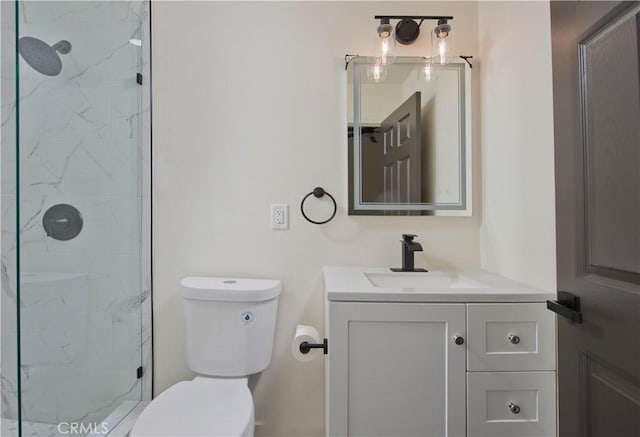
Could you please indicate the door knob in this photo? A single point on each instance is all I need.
(514, 408)
(458, 340)
(514, 339)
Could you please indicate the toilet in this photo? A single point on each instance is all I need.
(230, 325)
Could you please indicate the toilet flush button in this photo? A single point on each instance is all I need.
(247, 318)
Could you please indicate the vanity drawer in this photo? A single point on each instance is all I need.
(510, 337)
(514, 404)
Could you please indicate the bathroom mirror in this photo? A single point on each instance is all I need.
(409, 137)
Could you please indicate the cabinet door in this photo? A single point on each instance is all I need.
(395, 370)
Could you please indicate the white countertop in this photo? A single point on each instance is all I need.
(351, 284)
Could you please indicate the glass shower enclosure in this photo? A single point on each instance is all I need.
(75, 204)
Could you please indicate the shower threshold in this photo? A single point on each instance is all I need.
(116, 424)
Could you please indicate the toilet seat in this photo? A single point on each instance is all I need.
(202, 407)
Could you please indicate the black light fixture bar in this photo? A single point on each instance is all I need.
(415, 17)
(408, 28)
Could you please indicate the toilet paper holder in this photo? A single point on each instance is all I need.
(305, 347)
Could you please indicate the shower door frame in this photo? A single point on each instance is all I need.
(146, 140)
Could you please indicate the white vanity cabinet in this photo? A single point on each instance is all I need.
(430, 363)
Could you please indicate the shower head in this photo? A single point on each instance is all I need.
(41, 56)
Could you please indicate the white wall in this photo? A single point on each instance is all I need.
(518, 208)
(249, 110)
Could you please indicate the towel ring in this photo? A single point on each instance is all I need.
(319, 192)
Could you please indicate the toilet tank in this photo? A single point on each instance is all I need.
(230, 324)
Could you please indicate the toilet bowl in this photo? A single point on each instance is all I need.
(201, 407)
(230, 326)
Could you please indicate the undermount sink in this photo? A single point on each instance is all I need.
(423, 280)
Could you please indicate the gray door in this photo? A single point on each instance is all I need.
(400, 160)
(596, 87)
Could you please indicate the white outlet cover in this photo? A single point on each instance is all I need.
(280, 216)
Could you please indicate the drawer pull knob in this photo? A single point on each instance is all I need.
(514, 408)
(458, 340)
(514, 339)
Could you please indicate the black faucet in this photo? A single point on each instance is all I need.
(408, 247)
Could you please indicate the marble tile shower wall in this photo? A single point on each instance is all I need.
(80, 144)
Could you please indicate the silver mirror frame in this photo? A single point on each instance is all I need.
(464, 207)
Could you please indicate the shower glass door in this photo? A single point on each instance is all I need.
(82, 212)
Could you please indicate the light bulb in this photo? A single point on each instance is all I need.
(441, 44)
(442, 48)
(384, 51)
(385, 46)
(385, 42)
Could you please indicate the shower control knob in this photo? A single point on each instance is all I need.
(514, 339)
(514, 408)
(458, 340)
(62, 222)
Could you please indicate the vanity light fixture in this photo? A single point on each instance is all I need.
(407, 31)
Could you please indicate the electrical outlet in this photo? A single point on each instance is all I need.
(279, 216)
